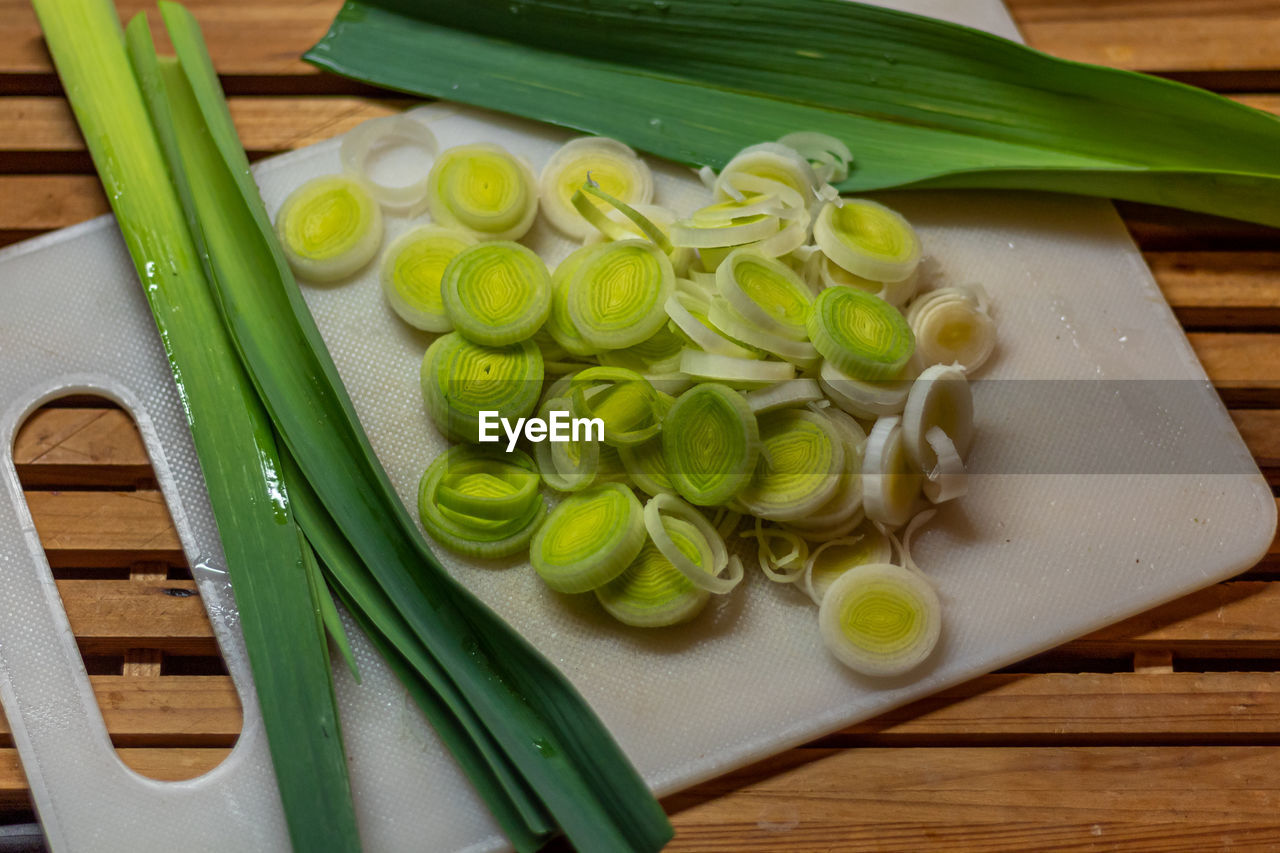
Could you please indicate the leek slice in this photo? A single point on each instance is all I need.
(829, 157)
(801, 464)
(868, 239)
(483, 189)
(616, 296)
(784, 395)
(651, 592)
(460, 379)
(733, 325)
(843, 511)
(662, 507)
(863, 336)
(709, 234)
(890, 482)
(567, 466)
(865, 544)
(765, 292)
(946, 480)
(496, 293)
(880, 620)
(952, 325)
(589, 538)
(690, 317)
(646, 465)
(329, 227)
(711, 443)
(861, 398)
(360, 143)
(660, 354)
(896, 293)
(607, 163)
(473, 475)
(734, 371)
(772, 161)
(940, 397)
(411, 271)
(624, 400)
(559, 324)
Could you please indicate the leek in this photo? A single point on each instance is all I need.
(607, 163)
(483, 189)
(924, 103)
(330, 227)
(651, 592)
(410, 274)
(589, 539)
(953, 325)
(711, 443)
(496, 293)
(880, 619)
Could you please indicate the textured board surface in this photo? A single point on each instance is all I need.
(1028, 560)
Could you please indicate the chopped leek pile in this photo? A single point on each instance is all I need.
(769, 369)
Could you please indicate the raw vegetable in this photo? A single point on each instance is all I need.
(589, 539)
(460, 379)
(937, 428)
(952, 325)
(330, 227)
(651, 592)
(483, 189)
(616, 295)
(365, 139)
(481, 503)
(607, 163)
(861, 335)
(890, 482)
(924, 102)
(880, 619)
(496, 293)
(710, 443)
(664, 507)
(868, 240)
(864, 544)
(800, 467)
(412, 267)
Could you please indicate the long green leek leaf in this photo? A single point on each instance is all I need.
(545, 728)
(264, 550)
(921, 102)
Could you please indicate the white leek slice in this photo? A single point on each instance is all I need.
(801, 466)
(843, 510)
(653, 593)
(365, 139)
(829, 157)
(864, 544)
(460, 379)
(940, 397)
(690, 317)
(896, 293)
(484, 189)
(734, 232)
(608, 163)
(770, 160)
(880, 620)
(946, 480)
(868, 239)
(329, 228)
(862, 335)
(784, 395)
(953, 326)
(589, 538)
(861, 398)
(890, 481)
(661, 507)
(617, 295)
(496, 293)
(734, 371)
(710, 441)
(733, 325)
(765, 292)
(411, 271)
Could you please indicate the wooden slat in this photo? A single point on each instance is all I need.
(1245, 367)
(188, 710)
(1260, 429)
(104, 528)
(165, 764)
(1220, 288)
(1158, 800)
(113, 616)
(82, 447)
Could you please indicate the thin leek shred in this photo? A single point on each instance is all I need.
(924, 102)
(545, 738)
(607, 163)
(267, 559)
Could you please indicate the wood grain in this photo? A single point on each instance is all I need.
(104, 528)
(167, 765)
(1220, 288)
(115, 616)
(80, 447)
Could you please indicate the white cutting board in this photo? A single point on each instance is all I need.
(1090, 501)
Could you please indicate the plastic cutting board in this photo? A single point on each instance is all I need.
(1090, 501)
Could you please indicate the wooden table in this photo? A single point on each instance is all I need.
(1158, 734)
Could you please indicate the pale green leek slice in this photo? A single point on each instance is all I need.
(843, 510)
(484, 189)
(618, 220)
(496, 293)
(566, 466)
(660, 354)
(801, 464)
(890, 481)
(412, 267)
(616, 296)
(864, 544)
(589, 538)
(737, 372)
(953, 325)
(829, 157)
(868, 239)
(460, 379)
(779, 567)
(651, 592)
(773, 161)
(711, 443)
(646, 465)
(733, 325)
(329, 228)
(880, 620)
(559, 324)
(629, 406)
(862, 335)
(705, 234)
(472, 475)
(662, 507)
(689, 315)
(862, 398)
(607, 163)
(784, 395)
(896, 293)
(766, 292)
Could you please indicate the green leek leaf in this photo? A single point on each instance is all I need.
(921, 102)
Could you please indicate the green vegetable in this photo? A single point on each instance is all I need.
(924, 103)
(496, 293)
(800, 467)
(880, 619)
(481, 503)
(412, 267)
(483, 189)
(616, 296)
(710, 442)
(868, 240)
(607, 163)
(651, 592)
(589, 539)
(330, 227)
(862, 335)
(460, 379)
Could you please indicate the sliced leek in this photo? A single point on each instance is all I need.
(738, 372)
(329, 228)
(653, 593)
(496, 293)
(880, 620)
(829, 157)
(363, 141)
(862, 398)
(868, 239)
(663, 507)
(566, 466)
(896, 293)
(772, 161)
(559, 324)
(412, 267)
(690, 317)
(629, 406)
(484, 189)
(477, 502)
(616, 296)
(952, 325)
(660, 354)
(937, 426)
(801, 465)
(460, 379)
(646, 465)
(733, 325)
(589, 538)
(765, 292)
(843, 510)
(890, 481)
(607, 163)
(784, 395)
(864, 544)
(711, 442)
(779, 566)
(863, 336)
